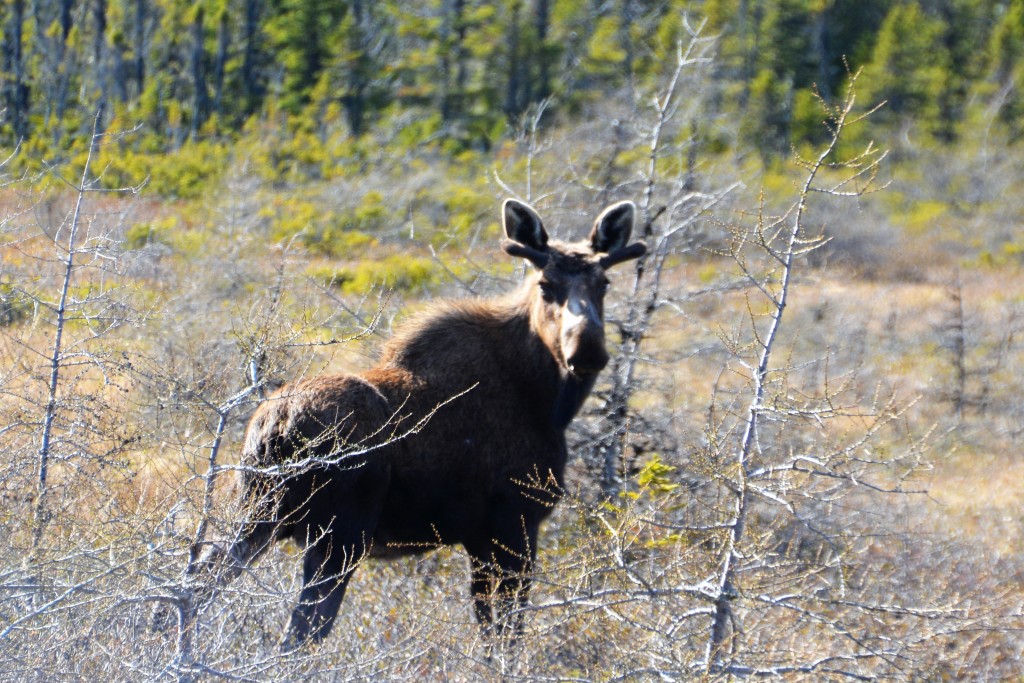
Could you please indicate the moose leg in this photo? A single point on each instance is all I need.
(332, 555)
(512, 587)
(481, 585)
(216, 566)
(501, 581)
(325, 575)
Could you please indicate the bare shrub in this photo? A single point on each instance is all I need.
(748, 499)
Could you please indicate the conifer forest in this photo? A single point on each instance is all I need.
(801, 462)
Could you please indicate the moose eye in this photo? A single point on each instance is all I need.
(547, 291)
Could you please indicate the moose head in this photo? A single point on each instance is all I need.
(569, 282)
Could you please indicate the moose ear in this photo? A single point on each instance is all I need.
(525, 231)
(613, 228)
(523, 225)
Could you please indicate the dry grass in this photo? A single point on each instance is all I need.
(958, 545)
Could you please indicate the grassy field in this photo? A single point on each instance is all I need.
(881, 538)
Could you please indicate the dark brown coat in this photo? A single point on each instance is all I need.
(457, 436)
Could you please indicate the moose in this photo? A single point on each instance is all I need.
(456, 436)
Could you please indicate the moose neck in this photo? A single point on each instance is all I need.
(572, 392)
(555, 390)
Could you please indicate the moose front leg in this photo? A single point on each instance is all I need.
(500, 585)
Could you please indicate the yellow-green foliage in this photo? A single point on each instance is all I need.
(654, 478)
(808, 120)
(604, 51)
(142, 234)
(371, 213)
(282, 149)
(923, 217)
(290, 217)
(14, 306)
(1009, 252)
(777, 183)
(1014, 250)
(327, 232)
(421, 128)
(402, 272)
(465, 205)
(168, 231)
(188, 172)
(708, 273)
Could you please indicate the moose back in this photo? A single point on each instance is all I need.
(457, 436)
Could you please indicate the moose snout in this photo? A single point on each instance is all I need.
(583, 337)
(588, 359)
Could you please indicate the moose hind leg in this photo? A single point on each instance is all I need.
(333, 556)
(481, 585)
(325, 575)
(217, 565)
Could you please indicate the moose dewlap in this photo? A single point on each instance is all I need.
(469, 400)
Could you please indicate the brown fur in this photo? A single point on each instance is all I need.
(457, 436)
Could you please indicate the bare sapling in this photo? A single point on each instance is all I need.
(670, 209)
(75, 241)
(765, 476)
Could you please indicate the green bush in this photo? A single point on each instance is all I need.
(185, 173)
(328, 233)
(140, 235)
(467, 205)
(14, 305)
(400, 272)
(654, 478)
(168, 231)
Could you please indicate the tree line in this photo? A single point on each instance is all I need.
(466, 68)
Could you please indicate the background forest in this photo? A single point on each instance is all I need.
(802, 462)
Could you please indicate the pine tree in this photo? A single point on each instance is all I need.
(301, 32)
(909, 68)
(15, 80)
(1005, 68)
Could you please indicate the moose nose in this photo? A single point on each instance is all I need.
(588, 359)
(583, 337)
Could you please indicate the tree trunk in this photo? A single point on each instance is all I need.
(354, 99)
(453, 61)
(541, 26)
(16, 89)
(200, 98)
(99, 56)
(66, 19)
(220, 63)
(515, 84)
(251, 89)
(627, 15)
(60, 94)
(746, 53)
(819, 47)
(140, 46)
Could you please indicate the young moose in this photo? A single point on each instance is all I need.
(478, 394)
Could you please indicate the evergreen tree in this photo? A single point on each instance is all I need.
(769, 114)
(785, 58)
(15, 80)
(1005, 68)
(356, 71)
(459, 70)
(909, 68)
(301, 32)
